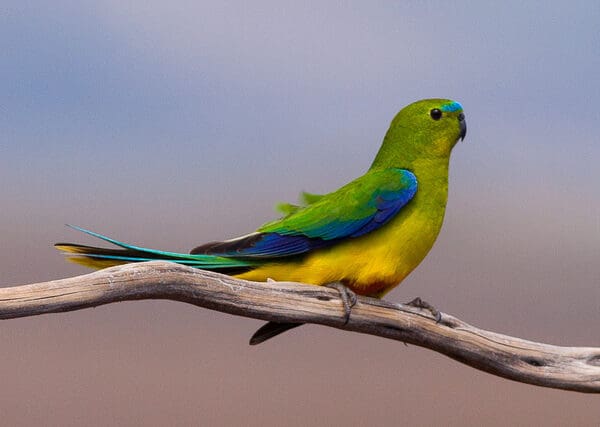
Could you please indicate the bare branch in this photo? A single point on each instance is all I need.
(569, 368)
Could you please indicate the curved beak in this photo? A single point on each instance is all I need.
(463, 126)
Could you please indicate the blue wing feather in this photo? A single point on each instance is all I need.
(386, 193)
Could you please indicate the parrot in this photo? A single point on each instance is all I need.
(366, 236)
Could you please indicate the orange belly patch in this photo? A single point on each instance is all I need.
(374, 289)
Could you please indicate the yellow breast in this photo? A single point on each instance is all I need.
(375, 263)
(370, 265)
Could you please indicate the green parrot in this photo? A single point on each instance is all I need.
(368, 235)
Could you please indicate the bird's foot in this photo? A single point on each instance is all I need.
(424, 305)
(272, 329)
(348, 298)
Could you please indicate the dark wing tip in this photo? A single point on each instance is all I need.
(204, 248)
(229, 247)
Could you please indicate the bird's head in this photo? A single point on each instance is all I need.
(425, 129)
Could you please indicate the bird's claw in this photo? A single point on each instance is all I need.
(348, 298)
(424, 305)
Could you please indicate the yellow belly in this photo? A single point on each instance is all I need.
(369, 265)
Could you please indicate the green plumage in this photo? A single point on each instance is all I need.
(368, 235)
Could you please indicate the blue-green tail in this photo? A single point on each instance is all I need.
(95, 257)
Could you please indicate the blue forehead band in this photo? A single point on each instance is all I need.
(451, 107)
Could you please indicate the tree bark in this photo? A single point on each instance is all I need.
(568, 368)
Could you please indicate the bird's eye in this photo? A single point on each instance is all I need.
(435, 114)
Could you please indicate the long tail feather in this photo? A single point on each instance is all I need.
(96, 257)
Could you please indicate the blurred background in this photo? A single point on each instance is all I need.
(171, 125)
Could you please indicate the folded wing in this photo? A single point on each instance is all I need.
(360, 207)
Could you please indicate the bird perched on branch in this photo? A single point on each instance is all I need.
(367, 236)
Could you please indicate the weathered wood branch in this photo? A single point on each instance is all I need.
(569, 368)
